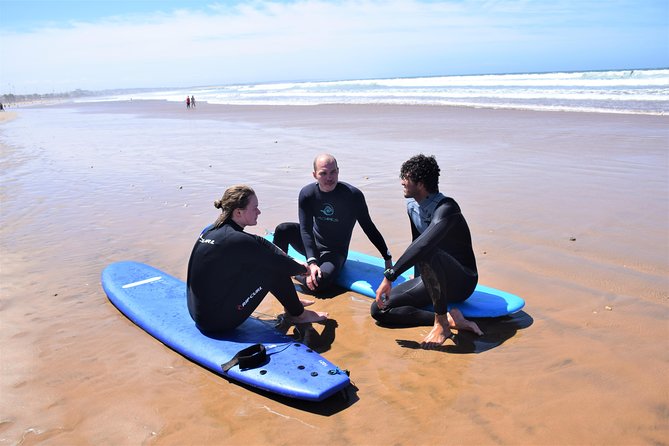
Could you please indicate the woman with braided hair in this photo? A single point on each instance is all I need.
(230, 271)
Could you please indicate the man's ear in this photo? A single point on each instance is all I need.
(314, 175)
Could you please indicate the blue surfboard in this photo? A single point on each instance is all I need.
(156, 302)
(363, 274)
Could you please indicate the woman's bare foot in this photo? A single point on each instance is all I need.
(459, 322)
(307, 316)
(439, 333)
(304, 302)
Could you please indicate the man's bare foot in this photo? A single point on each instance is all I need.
(307, 316)
(306, 302)
(439, 334)
(459, 322)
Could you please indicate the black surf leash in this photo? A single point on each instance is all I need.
(248, 358)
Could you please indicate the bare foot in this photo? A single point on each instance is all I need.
(307, 316)
(306, 302)
(459, 322)
(439, 333)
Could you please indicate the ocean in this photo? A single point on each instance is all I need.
(621, 91)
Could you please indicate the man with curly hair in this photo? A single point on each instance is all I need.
(442, 254)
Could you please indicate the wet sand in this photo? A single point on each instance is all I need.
(568, 210)
(7, 116)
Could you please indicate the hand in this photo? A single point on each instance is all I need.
(389, 263)
(313, 276)
(383, 289)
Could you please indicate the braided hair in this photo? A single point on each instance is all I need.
(235, 197)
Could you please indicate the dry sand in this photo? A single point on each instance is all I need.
(568, 210)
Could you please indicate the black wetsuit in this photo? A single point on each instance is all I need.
(229, 273)
(442, 253)
(326, 223)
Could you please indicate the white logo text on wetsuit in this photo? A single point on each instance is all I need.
(328, 211)
(206, 240)
(248, 299)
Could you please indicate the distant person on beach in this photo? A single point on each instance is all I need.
(230, 271)
(187, 101)
(328, 210)
(442, 253)
(192, 101)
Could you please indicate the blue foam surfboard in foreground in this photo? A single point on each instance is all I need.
(156, 302)
(363, 273)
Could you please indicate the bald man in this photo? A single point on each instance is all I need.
(328, 210)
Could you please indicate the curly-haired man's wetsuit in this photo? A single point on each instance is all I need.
(442, 253)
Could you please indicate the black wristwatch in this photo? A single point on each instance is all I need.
(389, 274)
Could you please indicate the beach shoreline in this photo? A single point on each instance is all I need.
(567, 210)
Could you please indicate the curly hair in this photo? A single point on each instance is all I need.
(422, 169)
(235, 197)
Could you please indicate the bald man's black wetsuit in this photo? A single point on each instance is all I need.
(229, 273)
(442, 252)
(326, 223)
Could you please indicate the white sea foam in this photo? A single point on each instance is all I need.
(622, 91)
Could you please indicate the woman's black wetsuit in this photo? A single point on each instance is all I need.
(229, 273)
(326, 224)
(442, 253)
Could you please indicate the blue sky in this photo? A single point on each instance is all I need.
(58, 45)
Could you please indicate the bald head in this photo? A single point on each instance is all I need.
(326, 172)
(324, 158)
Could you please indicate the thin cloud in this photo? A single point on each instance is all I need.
(302, 40)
